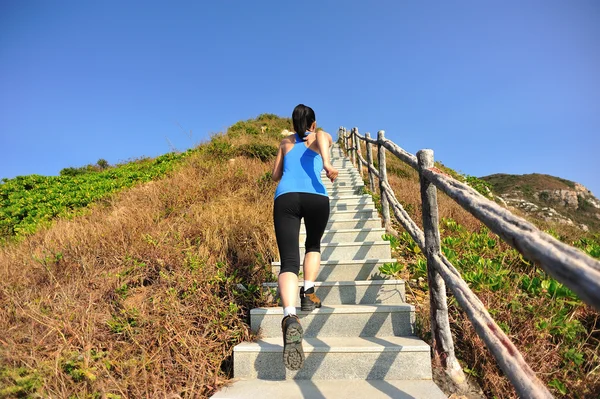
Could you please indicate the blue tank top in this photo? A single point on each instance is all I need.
(301, 171)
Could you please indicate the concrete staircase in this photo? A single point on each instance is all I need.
(361, 343)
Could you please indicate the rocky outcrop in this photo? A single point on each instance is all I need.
(579, 197)
(548, 198)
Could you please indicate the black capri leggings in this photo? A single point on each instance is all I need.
(288, 209)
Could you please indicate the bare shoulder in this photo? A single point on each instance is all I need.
(328, 136)
(286, 140)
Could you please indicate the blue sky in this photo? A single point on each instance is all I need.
(492, 87)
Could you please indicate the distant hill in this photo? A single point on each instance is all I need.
(548, 198)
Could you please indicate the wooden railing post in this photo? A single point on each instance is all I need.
(370, 162)
(346, 141)
(385, 207)
(443, 345)
(353, 145)
(359, 153)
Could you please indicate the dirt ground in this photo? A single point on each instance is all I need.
(454, 392)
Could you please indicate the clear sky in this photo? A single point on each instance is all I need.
(491, 86)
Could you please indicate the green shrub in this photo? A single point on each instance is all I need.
(264, 152)
(219, 148)
(102, 163)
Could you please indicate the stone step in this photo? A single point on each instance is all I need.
(335, 193)
(331, 389)
(334, 217)
(352, 199)
(339, 321)
(343, 179)
(351, 207)
(367, 292)
(339, 191)
(353, 250)
(343, 183)
(349, 235)
(345, 173)
(346, 270)
(359, 214)
(340, 224)
(337, 358)
(343, 186)
(341, 161)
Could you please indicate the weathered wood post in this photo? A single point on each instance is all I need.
(443, 345)
(385, 206)
(370, 162)
(353, 145)
(346, 141)
(359, 152)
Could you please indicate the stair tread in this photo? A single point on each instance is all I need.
(328, 309)
(352, 283)
(370, 229)
(350, 219)
(330, 389)
(340, 344)
(352, 243)
(349, 261)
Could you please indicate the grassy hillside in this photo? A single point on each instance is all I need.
(503, 183)
(140, 295)
(27, 202)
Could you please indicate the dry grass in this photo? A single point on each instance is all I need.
(137, 298)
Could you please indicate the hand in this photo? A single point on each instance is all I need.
(331, 172)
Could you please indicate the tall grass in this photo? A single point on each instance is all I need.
(141, 296)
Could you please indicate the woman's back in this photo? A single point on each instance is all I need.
(302, 166)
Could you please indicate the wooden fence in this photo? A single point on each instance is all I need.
(568, 265)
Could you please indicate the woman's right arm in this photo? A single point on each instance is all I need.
(324, 141)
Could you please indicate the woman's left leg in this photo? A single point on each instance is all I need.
(286, 215)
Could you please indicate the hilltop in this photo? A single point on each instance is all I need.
(548, 198)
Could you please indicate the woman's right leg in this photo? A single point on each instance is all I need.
(286, 216)
(315, 209)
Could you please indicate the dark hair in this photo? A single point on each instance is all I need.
(302, 117)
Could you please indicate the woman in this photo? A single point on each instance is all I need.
(300, 194)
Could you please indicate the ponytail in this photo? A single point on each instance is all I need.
(302, 118)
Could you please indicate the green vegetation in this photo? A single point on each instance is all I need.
(221, 148)
(26, 202)
(535, 310)
(481, 186)
(18, 382)
(266, 125)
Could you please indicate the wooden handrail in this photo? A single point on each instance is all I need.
(568, 265)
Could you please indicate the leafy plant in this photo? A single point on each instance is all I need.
(391, 269)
